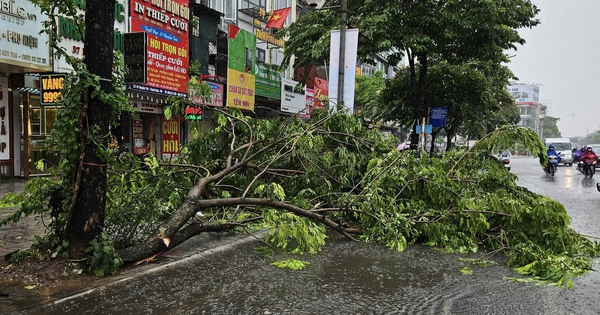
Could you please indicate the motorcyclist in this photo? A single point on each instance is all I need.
(552, 152)
(589, 156)
(575, 154)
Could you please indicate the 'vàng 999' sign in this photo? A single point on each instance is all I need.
(52, 86)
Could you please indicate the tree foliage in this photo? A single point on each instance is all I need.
(551, 130)
(426, 34)
(297, 179)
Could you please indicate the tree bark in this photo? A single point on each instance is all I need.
(87, 215)
(190, 206)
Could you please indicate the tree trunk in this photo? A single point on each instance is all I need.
(87, 215)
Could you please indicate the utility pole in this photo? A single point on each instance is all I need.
(340, 92)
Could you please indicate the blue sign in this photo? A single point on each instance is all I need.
(438, 116)
(428, 129)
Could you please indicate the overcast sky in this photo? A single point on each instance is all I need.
(562, 55)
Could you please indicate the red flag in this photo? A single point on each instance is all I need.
(233, 30)
(277, 19)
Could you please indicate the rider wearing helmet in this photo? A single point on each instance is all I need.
(552, 152)
(589, 156)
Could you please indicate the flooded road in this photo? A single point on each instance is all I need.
(355, 278)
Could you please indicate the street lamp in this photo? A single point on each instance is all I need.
(342, 53)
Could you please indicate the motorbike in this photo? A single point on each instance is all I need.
(552, 164)
(588, 169)
(506, 162)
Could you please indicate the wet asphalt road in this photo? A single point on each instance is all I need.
(568, 186)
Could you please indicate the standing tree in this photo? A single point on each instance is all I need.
(86, 219)
(420, 31)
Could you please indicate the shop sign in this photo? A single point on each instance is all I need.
(72, 39)
(143, 107)
(166, 23)
(21, 42)
(134, 57)
(268, 82)
(293, 98)
(216, 99)
(4, 121)
(51, 87)
(170, 137)
(193, 113)
(240, 68)
(139, 145)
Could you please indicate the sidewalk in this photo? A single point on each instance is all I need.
(17, 236)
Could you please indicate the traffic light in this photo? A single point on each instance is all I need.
(193, 113)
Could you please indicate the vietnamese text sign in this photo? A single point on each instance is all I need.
(268, 82)
(20, 39)
(51, 86)
(5, 118)
(438, 117)
(216, 99)
(72, 39)
(293, 99)
(241, 81)
(166, 23)
(134, 57)
(170, 137)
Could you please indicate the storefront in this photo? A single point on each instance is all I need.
(24, 51)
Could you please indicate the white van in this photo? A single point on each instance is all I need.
(564, 148)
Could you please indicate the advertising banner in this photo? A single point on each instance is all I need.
(21, 42)
(166, 25)
(525, 94)
(310, 101)
(293, 99)
(216, 100)
(349, 64)
(5, 123)
(268, 82)
(241, 81)
(321, 92)
(170, 137)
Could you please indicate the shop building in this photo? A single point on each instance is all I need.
(24, 53)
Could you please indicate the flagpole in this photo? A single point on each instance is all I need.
(342, 54)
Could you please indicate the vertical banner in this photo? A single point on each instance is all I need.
(310, 102)
(350, 53)
(166, 24)
(321, 92)
(170, 137)
(241, 68)
(4, 120)
(139, 145)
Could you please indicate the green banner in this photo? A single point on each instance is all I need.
(241, 87)
(268, 81)
(242, 51)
